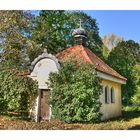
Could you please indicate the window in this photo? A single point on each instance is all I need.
(112, 95)
(106, 95)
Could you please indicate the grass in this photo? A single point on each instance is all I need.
(130, 120)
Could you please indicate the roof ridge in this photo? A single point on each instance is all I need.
(86, 49)
(81, 52)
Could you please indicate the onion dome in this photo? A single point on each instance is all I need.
(79, 32)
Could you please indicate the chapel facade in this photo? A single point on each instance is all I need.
(111, 80)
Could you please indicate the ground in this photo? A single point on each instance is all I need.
(129, 121)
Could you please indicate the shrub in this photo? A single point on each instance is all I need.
(136, 98)
(75, 93)
(16, 92)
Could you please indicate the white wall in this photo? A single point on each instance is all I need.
(41, 73)
(42, 70)
(111, 110)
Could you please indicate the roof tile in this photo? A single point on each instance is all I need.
(81, 53)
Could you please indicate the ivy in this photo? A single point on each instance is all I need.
(16, 92)
(75, 93)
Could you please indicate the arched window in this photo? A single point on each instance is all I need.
(112, 95)
(106, 95)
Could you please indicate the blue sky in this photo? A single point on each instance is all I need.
(122, 23)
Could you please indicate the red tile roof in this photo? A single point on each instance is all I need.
(81, 53)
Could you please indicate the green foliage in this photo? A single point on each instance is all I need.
(16, 92)
(23, 36)
(33, 50)
(15, 31)
(53, 30)
(50, 30)
(105, 51)
(123, 59)
(136, 97)
(75, 93)
(94, 42)
(130, 109)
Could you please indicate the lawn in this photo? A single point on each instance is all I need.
(130, 120)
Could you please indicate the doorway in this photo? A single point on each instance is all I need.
(45, 109)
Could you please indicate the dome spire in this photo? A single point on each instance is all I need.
(80, 35)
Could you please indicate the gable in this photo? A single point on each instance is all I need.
(42, 67)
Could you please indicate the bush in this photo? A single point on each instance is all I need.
(136, 98)
(16, 92)
(75, 93)
(132, 108)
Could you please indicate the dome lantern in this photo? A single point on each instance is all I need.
(80, 36)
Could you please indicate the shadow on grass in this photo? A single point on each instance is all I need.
(15, 116)
(128, 115)
(136, 127)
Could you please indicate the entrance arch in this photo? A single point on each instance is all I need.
(41, 67)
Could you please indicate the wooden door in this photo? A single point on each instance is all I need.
(45, 105)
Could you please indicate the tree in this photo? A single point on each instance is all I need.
(94, 42)
(54, 28)
(111, 41)
(15, 31)
(75, 93)
(50, 30)
(105, 51)
(16, 91)
(123, 58)
(136, 97)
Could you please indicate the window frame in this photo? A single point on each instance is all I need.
(106, 93)
(112, 95)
